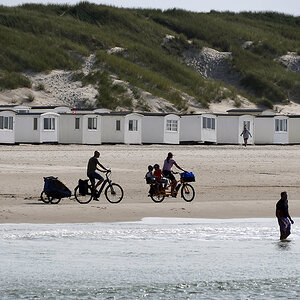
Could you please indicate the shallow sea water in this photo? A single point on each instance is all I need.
(151, 259)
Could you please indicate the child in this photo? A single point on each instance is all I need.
(158, 177)
(149, 176)
(150, 180)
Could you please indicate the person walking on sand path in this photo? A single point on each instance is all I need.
(245, 135)
(283, 216)
(167, 171)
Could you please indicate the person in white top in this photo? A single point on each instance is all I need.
(167, 171)
(245, 135)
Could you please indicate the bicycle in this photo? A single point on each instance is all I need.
(113, 192)
(187, 190)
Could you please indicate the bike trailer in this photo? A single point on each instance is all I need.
(187, 177)
(83, 186)
(55, 188)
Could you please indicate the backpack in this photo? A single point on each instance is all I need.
(83, 186)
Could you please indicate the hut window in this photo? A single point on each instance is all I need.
(49, 123)
(77, 123)
(10, 123)
(172, 125)
(6, 123)
(213, 123)
(133, 125)
(204, 122)
(209, 123)
(92, 123)
(118, 125)
(281, 125)
(247, 125)
(35, 123)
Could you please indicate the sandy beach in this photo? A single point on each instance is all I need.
(231, 181)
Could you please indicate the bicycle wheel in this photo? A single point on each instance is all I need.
(187, 192)
(54, 200)
(157, 198)
(114, 193)
(83, 199)
(44, 197)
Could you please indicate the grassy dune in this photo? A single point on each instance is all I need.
(41, 38)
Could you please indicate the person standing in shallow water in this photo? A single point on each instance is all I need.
(283, 216)
(245, 135)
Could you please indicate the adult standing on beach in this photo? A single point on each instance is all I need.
(92, 167)
(283, 216)
(245, 135)
(167, 171)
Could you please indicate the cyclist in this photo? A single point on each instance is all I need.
(91, 170)
(167, 171)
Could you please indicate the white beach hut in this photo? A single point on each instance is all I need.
(28, 128)
(122, 127)
(78, 128)
(230, 127)
(294, 129)
(37, 127)
(190, 128)
(273, 130)
(198, 128)
(264, 128)
(161, 128)
(7, 126)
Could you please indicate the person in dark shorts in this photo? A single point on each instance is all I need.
(91, 170)
(283, 216)
(167, 171)
(245, 135)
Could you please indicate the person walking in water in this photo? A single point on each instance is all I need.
(167, 171)
(91, 170)
(245, 135)
(283, 216)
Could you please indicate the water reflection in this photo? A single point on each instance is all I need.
(284, 245)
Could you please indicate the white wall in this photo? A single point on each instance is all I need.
(190, 128)
(294, 130)
(228, 130)
(263, 130)
(133, 137)
(91, 137)
(153, 129)
(209, 135)
(24, 129)
(109, 132)
(67, 132)
(171, 137)
(7, 136)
